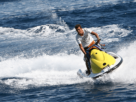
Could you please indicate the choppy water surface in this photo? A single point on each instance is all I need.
(39, 56)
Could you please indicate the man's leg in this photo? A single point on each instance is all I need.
(88, 68)
(88, 64)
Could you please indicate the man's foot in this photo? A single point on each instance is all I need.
(88, 72)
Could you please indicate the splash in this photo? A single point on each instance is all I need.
(126, 74)
(61, 69)
(43, 70)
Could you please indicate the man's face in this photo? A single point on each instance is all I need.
(80, 31)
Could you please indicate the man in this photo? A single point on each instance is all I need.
(84, 40)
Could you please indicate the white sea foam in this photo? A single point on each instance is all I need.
(43, 70)
(39, 31)
(111, 33)
(107, 33)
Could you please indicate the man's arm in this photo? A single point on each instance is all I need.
(82, 49)
(97, 36)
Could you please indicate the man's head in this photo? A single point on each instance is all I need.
(79, 29)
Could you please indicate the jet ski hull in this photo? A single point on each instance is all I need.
(106, 70)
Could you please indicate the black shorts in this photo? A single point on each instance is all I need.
(85, 48)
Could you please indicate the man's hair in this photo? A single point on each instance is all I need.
(78, 25)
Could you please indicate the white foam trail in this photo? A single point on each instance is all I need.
(16, 66)
(43, 70)
(62, 69)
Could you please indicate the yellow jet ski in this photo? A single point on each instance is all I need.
(101, 62)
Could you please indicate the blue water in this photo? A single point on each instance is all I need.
(39, 56)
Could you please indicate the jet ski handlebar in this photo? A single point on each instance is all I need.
(97, 42)
(96, 45)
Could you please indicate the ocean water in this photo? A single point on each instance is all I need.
(39, 56)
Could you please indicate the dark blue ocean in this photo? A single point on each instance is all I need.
(39, 56)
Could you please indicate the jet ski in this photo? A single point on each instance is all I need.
(101, 62)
